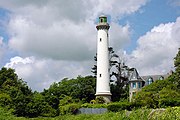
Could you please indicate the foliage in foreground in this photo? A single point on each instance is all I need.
(139, 114)
(159, 94)
(162, 93)
(17, 96)
(119, 106)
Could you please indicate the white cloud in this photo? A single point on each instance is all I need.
(63, 40)
(69, 9)
(119, 36)
(61, 36)
(40, 73)
(16, 60)
(116, 8)
(156, 49)
(64, 29)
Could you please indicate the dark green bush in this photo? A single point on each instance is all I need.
(118, 106)
(5, 100)
(69, 108)
(100, 100)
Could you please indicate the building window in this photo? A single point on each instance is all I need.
(161, 78)
(100, 39)
(150, 80)
(99, 75)
(134, 85)
(139, 84)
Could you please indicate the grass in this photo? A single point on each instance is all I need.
(139, 114)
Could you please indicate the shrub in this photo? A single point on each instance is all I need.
(100, 100)
(93, 101)
(5, 100)
(139, 114)
(115, 107)
(168, 97)
(6, 114)
(88, 105)
(69, 108)
(147, 99)
(171, 113)
(66, 100)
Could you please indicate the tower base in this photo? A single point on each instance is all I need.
(105, 96)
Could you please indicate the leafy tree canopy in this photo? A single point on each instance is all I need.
(162, 93)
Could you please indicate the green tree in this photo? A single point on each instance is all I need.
(79, 89)
(39, 107)
(149, 95)
(5, 100)
(168, 97)
(161, 93)
(177, 68)
(14, 90)
(7, 75)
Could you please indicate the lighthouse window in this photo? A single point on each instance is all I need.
(101, 20)
(100, 39)
(161, 78)
(99, 75)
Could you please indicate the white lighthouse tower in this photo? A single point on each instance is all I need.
(103, 77)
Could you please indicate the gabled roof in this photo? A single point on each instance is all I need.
(134, 76)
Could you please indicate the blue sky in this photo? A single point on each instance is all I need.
(45, 41)
(152, 14)
(3, 21)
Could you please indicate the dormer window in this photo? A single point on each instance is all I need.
(161, 78)
(150, 80)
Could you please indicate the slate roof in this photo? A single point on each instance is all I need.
(154, 78)
(134, 76)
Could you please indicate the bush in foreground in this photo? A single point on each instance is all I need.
(69, 109)
(119, 106)
(171, 113)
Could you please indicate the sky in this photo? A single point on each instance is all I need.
(48, 40)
